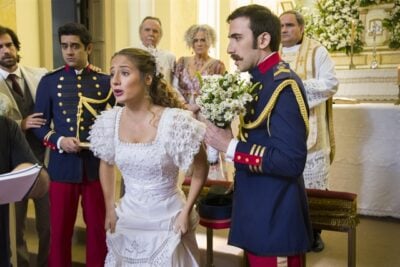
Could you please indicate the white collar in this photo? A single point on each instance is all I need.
(17, 72)
(291, 49)
(78, 72)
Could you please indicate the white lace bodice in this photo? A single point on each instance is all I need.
(150, 167)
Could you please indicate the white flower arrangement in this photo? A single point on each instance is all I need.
(331, 25)
(222, 97)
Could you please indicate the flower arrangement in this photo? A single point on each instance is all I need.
(332, 25)
(393, 25)
(222, 97)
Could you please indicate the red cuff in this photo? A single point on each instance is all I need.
(247, 159)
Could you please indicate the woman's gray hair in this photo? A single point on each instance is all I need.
(5, 105)
(211, 37)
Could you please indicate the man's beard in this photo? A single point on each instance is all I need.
(8, 62)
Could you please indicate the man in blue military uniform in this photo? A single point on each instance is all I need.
(71, 97)
(270, 212)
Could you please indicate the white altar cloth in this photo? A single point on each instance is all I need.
(368, 84)
(367, 160)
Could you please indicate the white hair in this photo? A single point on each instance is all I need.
(211, 36)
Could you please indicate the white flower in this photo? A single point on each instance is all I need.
(222, 97)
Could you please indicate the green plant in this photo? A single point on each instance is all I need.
(392, 24)
(373, 2)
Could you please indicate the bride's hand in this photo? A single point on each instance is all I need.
(111, 220)
(181, 223)
(193, 108)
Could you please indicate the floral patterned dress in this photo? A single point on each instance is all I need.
(189, 86)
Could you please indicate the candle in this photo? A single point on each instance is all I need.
(398, 75)
(353, 31)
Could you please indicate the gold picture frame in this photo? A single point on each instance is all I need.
(287, 5)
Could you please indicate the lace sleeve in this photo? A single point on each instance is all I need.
(102, 135)
(183, 137)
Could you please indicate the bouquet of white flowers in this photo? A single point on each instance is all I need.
(222, 97)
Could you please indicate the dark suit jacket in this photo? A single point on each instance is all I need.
(14, 150)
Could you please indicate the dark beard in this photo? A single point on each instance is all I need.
(9, 62)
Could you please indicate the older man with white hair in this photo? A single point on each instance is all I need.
(150, 32)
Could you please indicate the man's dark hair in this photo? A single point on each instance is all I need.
(14, 37)
(261, 20)
(299, 17)
(73, 28)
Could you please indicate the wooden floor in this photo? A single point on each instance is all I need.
(378, 242)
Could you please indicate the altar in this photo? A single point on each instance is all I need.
(367, 160)
(368, 84)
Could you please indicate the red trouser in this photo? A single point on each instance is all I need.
(261, 261)
(64, 200)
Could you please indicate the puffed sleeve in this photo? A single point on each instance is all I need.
(102, 135)
(182, 137)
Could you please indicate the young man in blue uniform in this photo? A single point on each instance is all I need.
(270, 212)
(70, 98)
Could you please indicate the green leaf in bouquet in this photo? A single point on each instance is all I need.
(198, 76)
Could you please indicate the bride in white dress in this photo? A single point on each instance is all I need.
(149, 140)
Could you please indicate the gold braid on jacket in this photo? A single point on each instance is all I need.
(266, 113)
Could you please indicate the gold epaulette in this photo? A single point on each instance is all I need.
(281, 71)
(55, 70)
(266, 113)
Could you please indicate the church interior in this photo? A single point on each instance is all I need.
(366, 110)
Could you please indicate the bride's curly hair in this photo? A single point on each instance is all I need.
(160, 91)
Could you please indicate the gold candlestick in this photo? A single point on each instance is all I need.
(375, 28)
(398, 84)
(352, 38)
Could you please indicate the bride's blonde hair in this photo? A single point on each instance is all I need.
(160, 91)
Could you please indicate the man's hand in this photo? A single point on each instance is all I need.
(218, 138)
(70, 144)
(34, 120)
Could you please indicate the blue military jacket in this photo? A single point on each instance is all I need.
(70, 104)
(270, 211)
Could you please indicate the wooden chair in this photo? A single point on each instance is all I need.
(335, 211)
(210, 224)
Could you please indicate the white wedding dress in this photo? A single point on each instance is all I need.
(144, 234)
